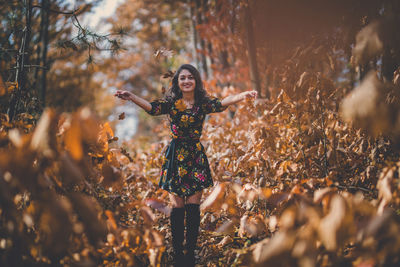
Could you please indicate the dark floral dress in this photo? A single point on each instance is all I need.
(185, 168)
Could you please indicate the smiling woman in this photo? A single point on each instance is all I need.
(187, 83)
(185, 170)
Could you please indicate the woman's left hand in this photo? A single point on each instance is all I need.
(233, 99)
(250, 94)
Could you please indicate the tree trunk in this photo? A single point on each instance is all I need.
(20, 75)
(208, 44)
(45, 12)
(252, 53)
(199, 15)
(391, 51)
(38, 55)
(45, 49)
(223, 54)
(194, 32)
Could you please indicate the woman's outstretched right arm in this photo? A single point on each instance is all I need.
(126, 95)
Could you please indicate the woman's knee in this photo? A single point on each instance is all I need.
(194, 199)
(177, 202)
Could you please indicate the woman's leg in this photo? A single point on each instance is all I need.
(177, 202)
(194, 199)
(192, 209)
(177, 218)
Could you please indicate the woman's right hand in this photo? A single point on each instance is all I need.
(125, 95)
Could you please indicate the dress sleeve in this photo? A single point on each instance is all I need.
(212, 105)
(159, 107)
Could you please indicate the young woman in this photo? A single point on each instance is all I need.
(185, 171)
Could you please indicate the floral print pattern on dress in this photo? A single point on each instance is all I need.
(190, 171)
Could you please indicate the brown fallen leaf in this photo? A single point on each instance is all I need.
(225, 241)
(368, 43)
(121, 116)
(337, 221)
(265, 251)
(147, 214)
(214, 199)
(158, 205)
(227, 227)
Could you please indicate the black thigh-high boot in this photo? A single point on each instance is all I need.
(177, 218)
(192, 231)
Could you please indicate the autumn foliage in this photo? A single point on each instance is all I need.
(296, 185)
(306, 175)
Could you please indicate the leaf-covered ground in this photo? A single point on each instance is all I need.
(295, 185)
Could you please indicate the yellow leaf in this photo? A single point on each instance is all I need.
(106, 134)
(107, 129)
(11, 86)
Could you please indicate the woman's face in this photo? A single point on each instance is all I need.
(186, 81)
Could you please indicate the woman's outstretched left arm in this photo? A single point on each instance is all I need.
(233, 99)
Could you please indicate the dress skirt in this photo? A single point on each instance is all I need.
(185, 170)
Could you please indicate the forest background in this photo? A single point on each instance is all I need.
(307, 175)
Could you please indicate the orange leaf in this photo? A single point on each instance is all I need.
(73, 141)
(265, 193)
(106, 134)
(3, 89)
(111, 219)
